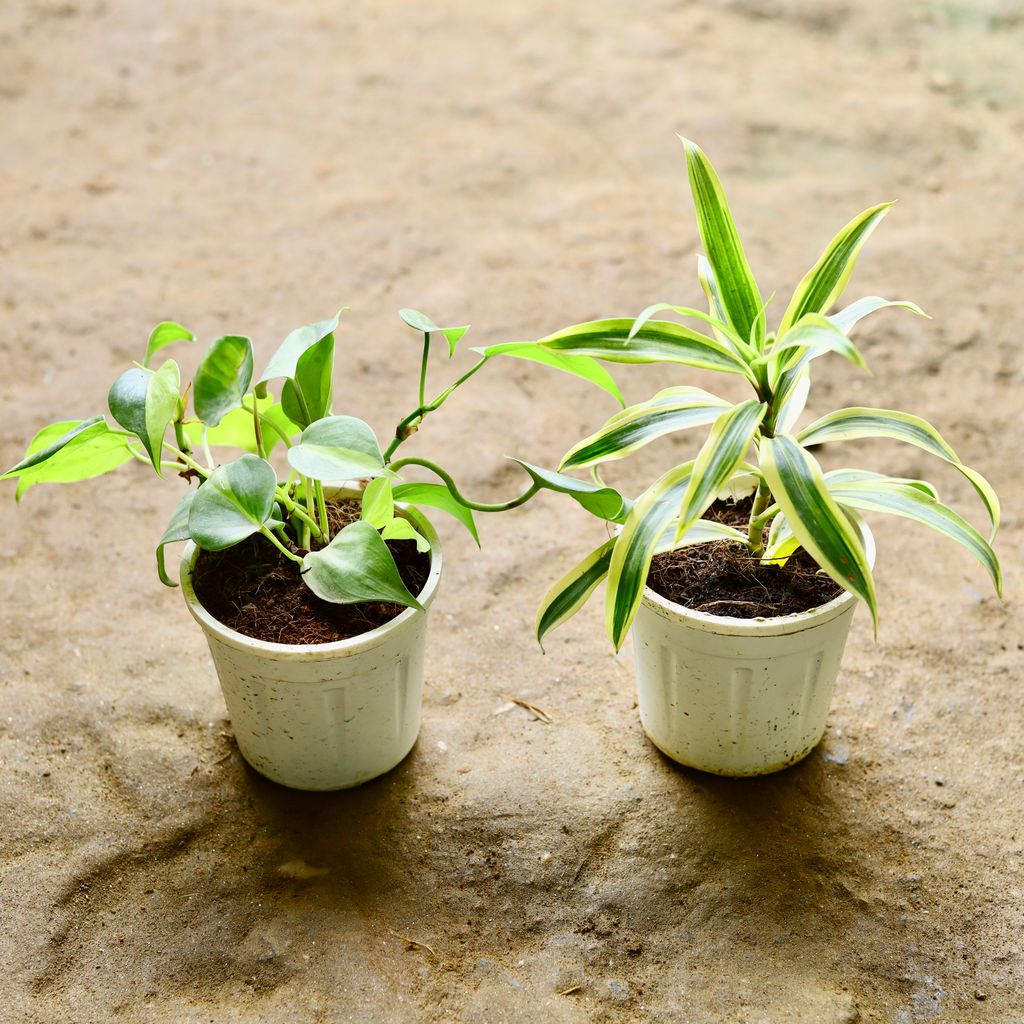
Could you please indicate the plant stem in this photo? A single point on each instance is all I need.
(310, 517)
(423, 368)
(502, 506)
(179, 436)
(321, 504)
(296, 510)
(206, 448)
(280, 547)
(260, 450)
(755, 530)
(402, 431)
(203, 471)
(270, 423)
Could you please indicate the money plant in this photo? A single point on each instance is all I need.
(796, 503)
(175, 431)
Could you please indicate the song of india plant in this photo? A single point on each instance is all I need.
(801, 504)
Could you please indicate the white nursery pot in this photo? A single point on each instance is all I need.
(324, 716)
(738, 696)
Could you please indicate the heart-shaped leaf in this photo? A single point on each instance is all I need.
(437, 496)
(233, 503)
(69, 451)
(378, 505)
(306, 397)
(338, 448)
(603, 502)
(222, 378)
(356, 566)
(421, 322)
(146, 403)
(286, 358)
(177, 529)
(165, 333)
(401, 529)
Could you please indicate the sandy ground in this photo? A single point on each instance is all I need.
(249, 166)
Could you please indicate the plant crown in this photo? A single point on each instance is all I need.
(803, 505)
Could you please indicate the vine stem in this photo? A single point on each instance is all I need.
(403, 431)
(321, 506)
(277, 544)
(269, 422)
(502, 506)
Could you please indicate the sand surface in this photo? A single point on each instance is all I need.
(249, 166)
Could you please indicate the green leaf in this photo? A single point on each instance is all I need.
(657, 341)
(857, 422)
(907, 498)
(718, 459)
(798, 486)
(306, 397)
(165, 333)
(846, 319)
(642, 530)
(436, 496)
(52, 439)
(146, 403)
(338, 448)
(401, 529)
(222, 378)
(782, 543)
(791, 398)
(723, 331)
(421, 322)
(67, 452)
(813, 336)
(849, 477)
(584, 367)
(177, 530)
(356, 566)
(236, 429)
(378, 505)
(286, 358)
(702, 531)
(233, 503)
(740, 298)
(570, 593)
(670, 410)
(824, 282)
(603, 502)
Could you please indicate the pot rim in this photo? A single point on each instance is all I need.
(315, 652)
(774, 625)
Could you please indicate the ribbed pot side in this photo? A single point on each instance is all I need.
(324, 716)
(738, 696)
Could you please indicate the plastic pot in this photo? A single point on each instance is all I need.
(738, 696)
(324, 716)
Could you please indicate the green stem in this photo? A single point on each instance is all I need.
(206, 448)
(758, 520)
(423, 369)
(281, 433)
(179, 436)
(260, 450)
(295, 509)
(203, 471)
(402, 431)
(280, 547)
(310, 517)
(502, 506)
(321, 504)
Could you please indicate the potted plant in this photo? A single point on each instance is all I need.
(312, 590)
(739, 569)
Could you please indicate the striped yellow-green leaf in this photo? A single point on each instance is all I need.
(813, 336)
(642, 530)
(873, 493)
(657, 341)
(848, 318)
(740, 299)
(719, 458)
(701, 532)
(723, 331)
(801, 492)
(670, 410)
(781, 543)
(790, 398)
(824, 282)
(570, 593)
(857, 422)
(584, 367)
